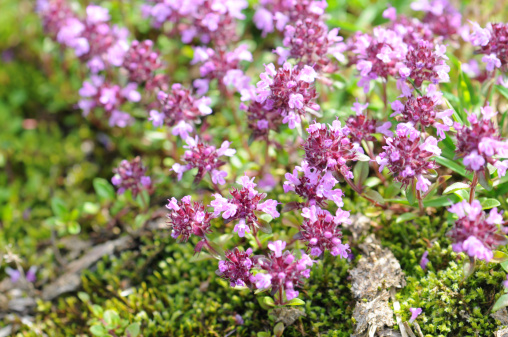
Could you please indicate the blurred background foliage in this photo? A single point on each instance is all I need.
(50, 156)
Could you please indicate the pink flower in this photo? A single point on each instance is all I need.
(218, 177)
(241, 228)
(390, 13)
(269, 207)
(358, 108)
(415, 312)
(262, 281)
(277, 247)
(492, 62)
(424, 260)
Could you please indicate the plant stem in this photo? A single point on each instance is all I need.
(492, 77)
(385, 100)
(420, 202)
(473, 187)
(255, 235)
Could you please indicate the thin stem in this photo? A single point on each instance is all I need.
(473, 187)
(492, 77)
(420, 202)
(144, 201)
(257, 239)
(385, 99)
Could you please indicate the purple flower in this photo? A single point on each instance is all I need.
(96, 14)
(277, 247)
(424, 261)
(236, 267)
(187, 218)
(415, 312)
(505, 282)
(14, 274)
(474, 233)
(131, 175)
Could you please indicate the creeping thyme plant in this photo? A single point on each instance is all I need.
(258, 157)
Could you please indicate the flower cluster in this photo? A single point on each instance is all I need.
(480, 142)
(314, 186)
(424, 63)
(283, 272)
(223, 66)
(377, 55)
(236, 267)
(321, 231)
(261, 120)
(277, 14)
(93, 40)
(441, 17)
(423, 110)
(289, 91)
(474, 233)
(141, 62)
(243, 206)
(98, 93)
(362, 128)
(407, 158)
(309, 42)
(329, 148)
(188, 218)
(179, 108)
(205, 158)
(131, 175)
(208, 20)
(411, 30)
(493, 43)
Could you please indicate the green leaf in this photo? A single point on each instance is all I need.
(454, 166)
(362, 157)
(371, 194)
(58, 207)
(505, 266)
(264, 226)
(406, 217)
(296, 301)
(484, 180)
(441, 201)
(267, 300)
(103, 189)
(111, 318)
(264, 334)
(455, 187)
(372, 182)
(500, 303)
(361, 172)
(98, 330)
(73, 227)
(97, 310)
(84, 297)
(91, 208)
(489, 203)
(462, 194)
(278, 330)
(499, 257)
(411, 193)
(132, 330)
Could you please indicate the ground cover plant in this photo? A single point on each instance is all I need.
(253, 168)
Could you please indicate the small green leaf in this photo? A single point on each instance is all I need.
(361, 172)
(264, 226)
(278, 330)
(371, 194)
(499, 257)
(132, 330)
(58, 207)
(103, 189)
(454, 166)
(98, 330)
(372, 182)
(97, 310)
(90, 208)
(462, 194)
(84, 297)
(264, 334)
(484, 180)
(505, 266)
(500, 303)
(267, 300)
(411, 193)
(111, 318)
(455, 187)
(73, 228)
(406, 217)
(489, 203)
(296, 301)
(362, 157)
